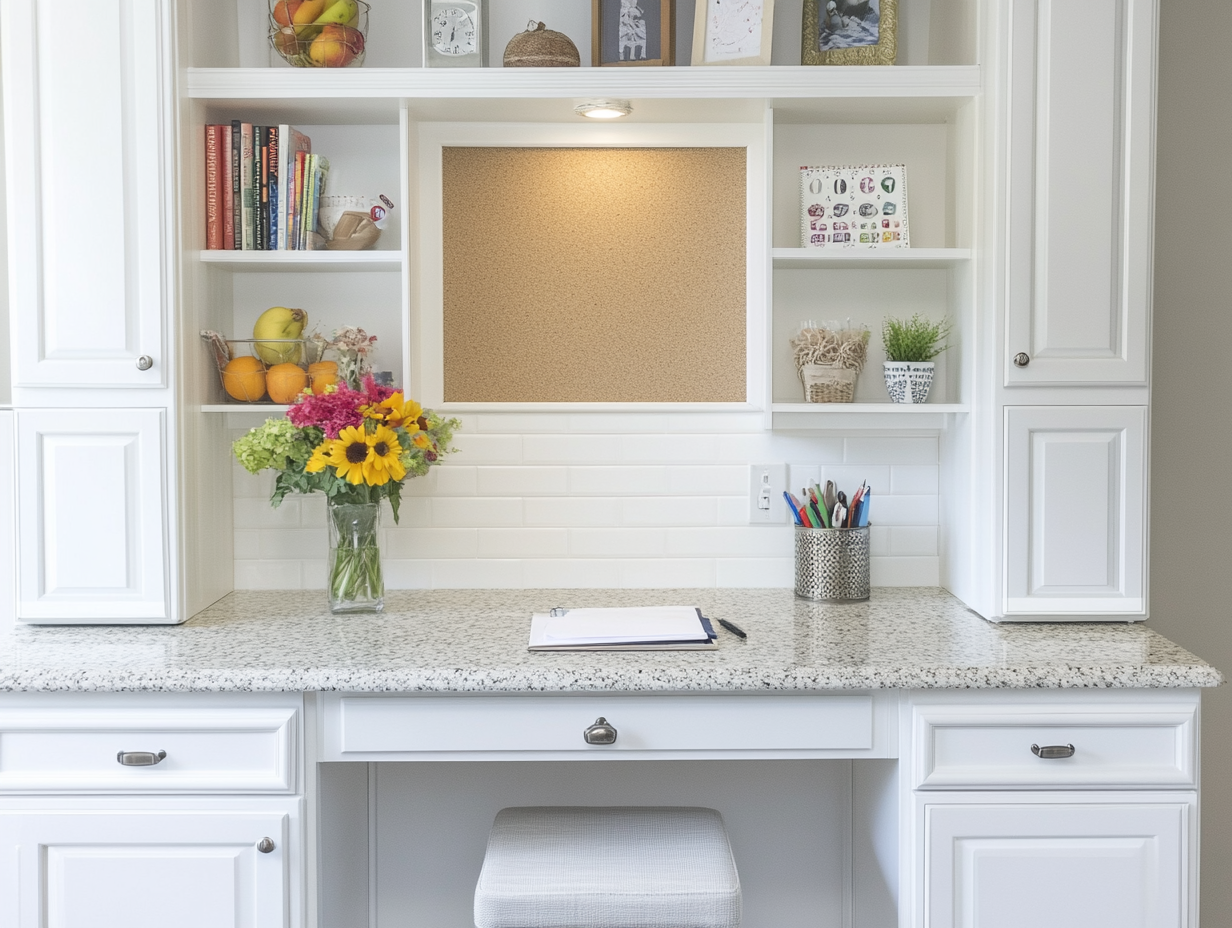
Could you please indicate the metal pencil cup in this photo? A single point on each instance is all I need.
(832, 564)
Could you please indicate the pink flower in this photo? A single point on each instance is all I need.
(332, 412)
(377, 394)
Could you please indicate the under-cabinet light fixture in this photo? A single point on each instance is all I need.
(604, 109)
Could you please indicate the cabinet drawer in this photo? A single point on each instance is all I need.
(985, 746)
(226, 750)
(552, 726)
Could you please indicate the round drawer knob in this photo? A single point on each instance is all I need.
(1022, 359)
(145, 362)
(600, 732)
(1052, 751)
(265, 845)
(140, 758)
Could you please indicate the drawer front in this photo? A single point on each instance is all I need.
(226, 750)
(364, 728)
(957, 748)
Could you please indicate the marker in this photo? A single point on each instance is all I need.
(734, 629)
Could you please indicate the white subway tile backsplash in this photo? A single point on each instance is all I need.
(604, 500)
(914, 479)
(617, 542)
(523, 542)
(670, 510)
(890, 450)
(755, 572)
(658, 573)
(523, 481)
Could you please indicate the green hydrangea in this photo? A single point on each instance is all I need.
(276, 444)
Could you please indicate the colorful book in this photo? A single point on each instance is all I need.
(237, 198)
(290, 142)
(247, 202)
(297, 202)
(310, 169)
(228, 188)
(262, 242)
(275, 184)
(320, 171)
(213, 190)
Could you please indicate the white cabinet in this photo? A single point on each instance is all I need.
(92, 522)
(86, 108)
(1076, 503)
(1081, 145)
(1074, 864)
(114, 869)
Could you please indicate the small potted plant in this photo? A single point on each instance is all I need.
(910, 347)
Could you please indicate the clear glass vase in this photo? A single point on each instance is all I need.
(355, 580)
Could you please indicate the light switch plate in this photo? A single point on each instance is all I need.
(766, 485)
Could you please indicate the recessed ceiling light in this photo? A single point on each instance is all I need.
(604, 109)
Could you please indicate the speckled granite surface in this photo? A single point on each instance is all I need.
(475, 641)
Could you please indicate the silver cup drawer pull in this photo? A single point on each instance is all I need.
(1052, 751)
(600, 733)
(140, 758)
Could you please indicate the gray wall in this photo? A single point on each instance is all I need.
(1191, 422)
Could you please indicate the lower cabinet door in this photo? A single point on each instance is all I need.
(1073, 865)
(119, 869)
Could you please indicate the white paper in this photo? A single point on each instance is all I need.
(591, 627)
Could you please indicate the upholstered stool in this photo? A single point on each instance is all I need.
(582, 867)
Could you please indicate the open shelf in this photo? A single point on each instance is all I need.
(304, 260)
(263, 408)
(869, 257)
(864, 415)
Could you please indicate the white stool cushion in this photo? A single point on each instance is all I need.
(582, 867)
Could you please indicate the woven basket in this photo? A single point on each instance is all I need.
(540, 47)
(828, 383)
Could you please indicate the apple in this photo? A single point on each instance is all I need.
(284, 11)
(336, 46)
(287, 42)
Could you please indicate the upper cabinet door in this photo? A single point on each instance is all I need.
(1081, 152)
(86, 127)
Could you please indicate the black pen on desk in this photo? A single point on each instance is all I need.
(734, 629)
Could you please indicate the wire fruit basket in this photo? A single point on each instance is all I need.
(333, 35)
(270, 371)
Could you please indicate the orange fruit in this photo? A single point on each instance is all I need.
(244, 379)
(285, 382)
(322, 374)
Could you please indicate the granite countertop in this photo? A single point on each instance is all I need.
(475, 641)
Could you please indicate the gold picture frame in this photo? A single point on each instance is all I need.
(665, 24)
(883, 53)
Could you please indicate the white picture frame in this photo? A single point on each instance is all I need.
(716, 42)
(854, 206)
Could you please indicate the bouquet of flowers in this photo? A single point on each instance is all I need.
(356, 447)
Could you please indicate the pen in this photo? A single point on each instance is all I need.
(734, 629)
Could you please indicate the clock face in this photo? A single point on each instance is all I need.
(453, 32)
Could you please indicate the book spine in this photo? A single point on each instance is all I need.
(262, 141)
(213, 205)
(228, 187)
(318, 191)
(246, 172)
(286, 161)
(254, 184)
(305, 231)
(237, 199)
(275, 187)
(296, 200)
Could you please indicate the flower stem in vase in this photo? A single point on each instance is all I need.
(355, 580)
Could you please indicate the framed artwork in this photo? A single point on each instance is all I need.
(733, 32)
(863, 206)
(849, 32)
(629, 33)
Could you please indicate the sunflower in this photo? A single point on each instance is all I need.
(319, 459)
(349, 452)
(421, 440)
(383, 463)
(395, 411)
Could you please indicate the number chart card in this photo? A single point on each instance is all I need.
(854, 207)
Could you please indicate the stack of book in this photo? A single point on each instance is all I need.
(263, 187)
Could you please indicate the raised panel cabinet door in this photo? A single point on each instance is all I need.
(1007, 865)
(1081, 151)
(86, 104)
(92, 541)
(100, 869)
(1075, 511)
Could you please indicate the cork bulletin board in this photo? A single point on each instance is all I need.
(600, 275)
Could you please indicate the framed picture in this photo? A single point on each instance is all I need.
(863, 206)
(628, 33)
(849, 32)
(733, 32)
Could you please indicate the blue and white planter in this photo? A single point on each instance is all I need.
(909, 381)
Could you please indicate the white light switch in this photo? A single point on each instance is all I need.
(766, 485)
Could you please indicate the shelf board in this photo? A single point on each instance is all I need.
(266, 409)
(366, 95)
(886, 257)
(864, 415)
(304, 260)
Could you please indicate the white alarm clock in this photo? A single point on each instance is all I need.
(456, 33)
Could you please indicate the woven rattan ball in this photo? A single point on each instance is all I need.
(540, 47)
